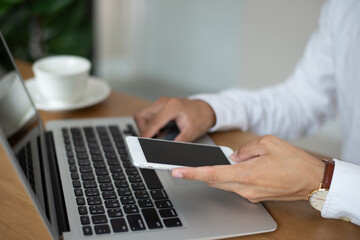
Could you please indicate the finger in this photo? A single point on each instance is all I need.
(165, 115)
(141, 123)
(185, 136)
(155, 124)
(249, 151)
(143, 117)
(210, 175)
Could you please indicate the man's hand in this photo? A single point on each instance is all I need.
(267, 169)
(193, 117)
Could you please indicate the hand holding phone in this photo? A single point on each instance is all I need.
(167, 155)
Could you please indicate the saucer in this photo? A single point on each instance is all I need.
(96, 92)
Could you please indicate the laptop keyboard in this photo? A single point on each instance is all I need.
(24, 157)
(112, 195)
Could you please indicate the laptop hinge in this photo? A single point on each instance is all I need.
(61, 213)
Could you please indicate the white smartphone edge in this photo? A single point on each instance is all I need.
(137, 156)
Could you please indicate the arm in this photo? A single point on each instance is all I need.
(296, 107)
(272, 169)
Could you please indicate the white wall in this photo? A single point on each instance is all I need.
(208, 45)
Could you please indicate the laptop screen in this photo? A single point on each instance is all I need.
(22, 128)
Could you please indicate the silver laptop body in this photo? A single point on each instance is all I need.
(128, 202)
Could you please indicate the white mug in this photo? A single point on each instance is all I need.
(62, 79)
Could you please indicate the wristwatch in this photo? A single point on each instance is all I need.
(317, 197)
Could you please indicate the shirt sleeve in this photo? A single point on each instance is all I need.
(343, 199)
(294, 108)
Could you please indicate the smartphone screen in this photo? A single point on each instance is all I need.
(182, 154)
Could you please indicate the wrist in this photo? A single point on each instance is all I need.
(208, 112)
(318, 197)
(317, 178)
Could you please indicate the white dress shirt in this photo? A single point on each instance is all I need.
(325, 82)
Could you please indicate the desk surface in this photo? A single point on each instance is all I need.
(296, 220)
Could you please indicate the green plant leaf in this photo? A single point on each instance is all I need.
(49, 7)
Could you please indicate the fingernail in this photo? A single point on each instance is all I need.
(233, 155)
(177, 174)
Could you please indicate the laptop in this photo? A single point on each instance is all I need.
(79, 176)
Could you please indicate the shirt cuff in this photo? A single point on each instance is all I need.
(343, 199)
(226, 111)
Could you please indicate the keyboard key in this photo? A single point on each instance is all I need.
(76, 184)
(82, 155)
(115, 168)
(94, 200)
(99, 164)
(82, 210)
(87, 230)
(158, 194)
(115, 212)
(78, 192)
(136, 223)
(80, 201)
(138, 186)
(85, 220)
(102, 229)
(74, 176)
(110, 155)
(163, 204)
(132, 171)
(151, 179)
(73, 168)
(113, 162)
(127, 200)
(124, 191)
(106, 187)
(95, 151)
(104, 179)
(87, 176)
(151, 217)
(109, 195)
(142, 194)
(126, 161)
(84, 162)
(97, 209)
(130, 209)
(112, 203)
(86, 169)
(145, 203)
(99, 219)
(92, 192)
(135, 179)
(118, 176)
(90, 184)
(167, 213)
(172, 222)
(97, 158)
(119, 225)
(121, 184)
(80, 149)
(101, 171)
(71, 161)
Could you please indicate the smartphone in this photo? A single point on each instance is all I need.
(167, 155)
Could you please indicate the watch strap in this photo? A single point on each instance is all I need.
(328, 174)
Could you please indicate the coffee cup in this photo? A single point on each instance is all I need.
(62, 79)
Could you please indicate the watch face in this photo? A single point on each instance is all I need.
(317, 199)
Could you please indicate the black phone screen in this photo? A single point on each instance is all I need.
(182, 154)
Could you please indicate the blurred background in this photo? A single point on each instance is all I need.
(154, 48)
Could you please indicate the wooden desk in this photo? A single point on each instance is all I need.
(296, 220)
